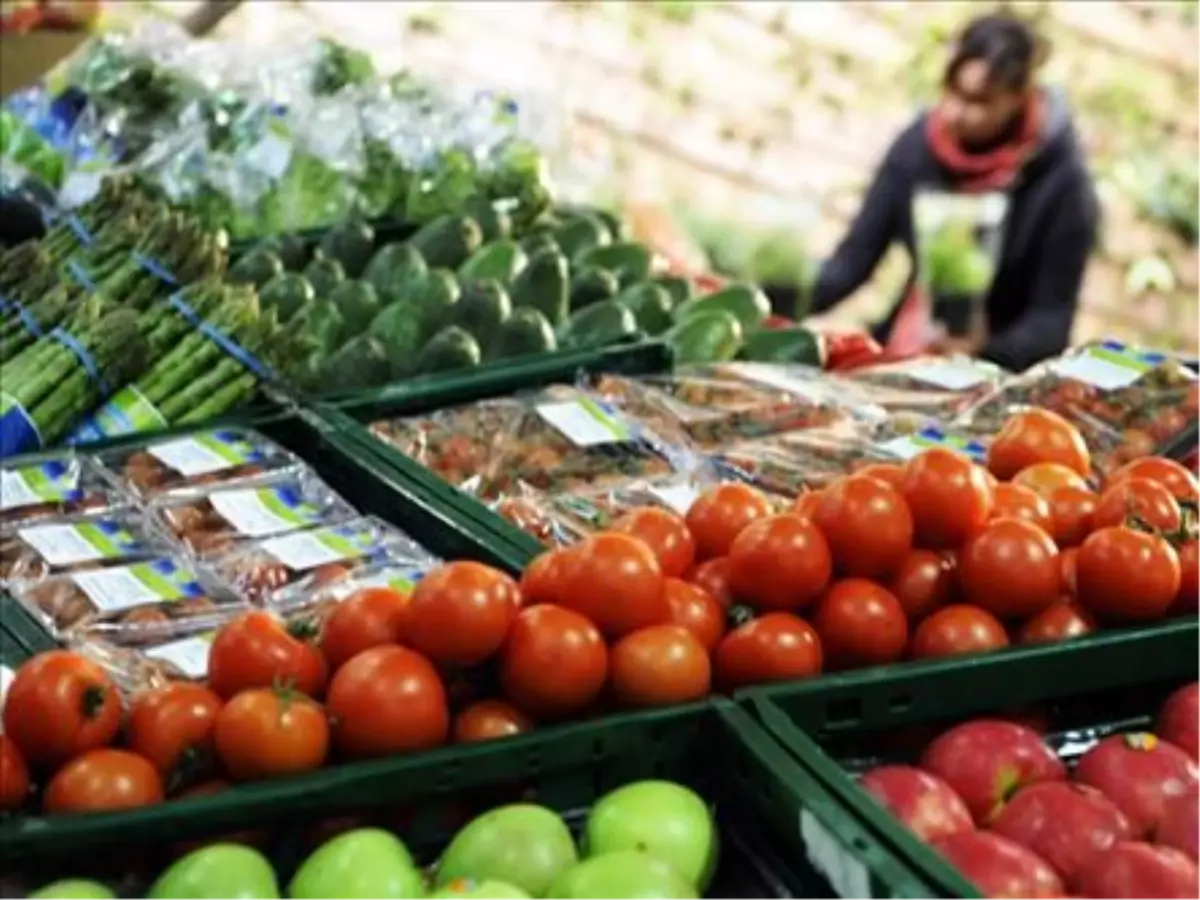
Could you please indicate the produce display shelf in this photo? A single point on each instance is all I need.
(24, 631)
(351, 417)
(818, 720)
(778, 824)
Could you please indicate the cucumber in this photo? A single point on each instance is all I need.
(483, 307)
(448, 241)
(324, 275)
(432, 299)
(398, 328)
(746, 302)
(599, 325)
(392, 268)
(784, 345)
(706, 337)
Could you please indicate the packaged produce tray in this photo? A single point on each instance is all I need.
(778, 827)
(837, 726)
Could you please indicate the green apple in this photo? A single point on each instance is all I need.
(365, 862)
(660, 818)
(525, 845)
(626, 874)
(216, 871)
(73, 889)
(467, 889)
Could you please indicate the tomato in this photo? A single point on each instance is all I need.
(1011, 501)
(58, 706)
(718, 515)
(1047, 477)
(14, 775)
(860, 624)
(665, 533)
(954, 630)
(103, 780)
(658, 666)
(775, 647)
(1175, 477)
(892, 473)
(271, 732)
(867, 525)
(258, 650)
(713, 577)
(949, 498)
(554, 662)
(806, 504)
(694, 608)
(1059, 622)
(387, 700)
(1068, 580)
(367, 618)
(615, 581)
(460, 613)
(1138, 500)
(1011, 569)
(486, 720)
(924, 582)
(1072, 510)
(542, 578)
(172, 726)
(1037, 436)
(781, 562)
(1188, 598)
(1127, 575)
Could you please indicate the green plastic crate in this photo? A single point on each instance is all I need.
(818, 720)
(778, 825)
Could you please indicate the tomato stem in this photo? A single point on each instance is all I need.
(94, 697)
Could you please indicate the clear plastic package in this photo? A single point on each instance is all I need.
(216, 521)
(54, 487)
(315, 602)
(51, 546)
(224, 456)
(304, 560)
(941, 386)
(141, 599)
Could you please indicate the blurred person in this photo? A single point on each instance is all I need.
(994, 129)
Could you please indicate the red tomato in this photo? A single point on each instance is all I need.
(615, 581)
(258, 650)
(1037, 436)
(949, 498)
(867, 524)
(367, 618)
(775, 647)
(460, 613)
(1175, 477)
(60, 705)
(665, 533)
(1011, 569)
(892, 473)
(1059, 622)
(781, 562)
(1188, 598)
(806, 504)
(268, 733)
(387, 700)
(924, 582)
(172, 726)
(1134, 499)
(1047, 477)
(694, 608)
(658, 666)
(1068, 582)
(1072, 510)
(1126, 575)
(719, 514)
(487, 720)
(103, 780)
(1011, 501)
(14, 775)
(554, 662)
(955, 630)
(713, 578)
(542, 579)
(860, 624)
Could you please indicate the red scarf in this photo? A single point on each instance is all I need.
(971, 173)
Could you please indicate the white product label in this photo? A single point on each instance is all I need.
(15, 491)
(257, 513)
(189, 655)
(846, 875)
(61, 545)
(584, 422)
(783, 378)
(914, 444)
(307, 550)
(190, 457)
(397, 580)
(79, 187)
(678, 497)
(1108, 365)
(113, 590)
(951, 374)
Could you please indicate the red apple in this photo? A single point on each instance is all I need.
(1139, 773)
(1180, 824)
(998, 867)
(1065, 824)
(987, 760)
(1179, 719)
(1134, 869)
(923, 802)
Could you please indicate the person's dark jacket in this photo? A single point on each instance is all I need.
(1050, 231)
(20, 220)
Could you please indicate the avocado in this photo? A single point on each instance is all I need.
(747, 303)
(293, 252)
(324, 275)
(581, 232)
(360, 363)
(358, 304)
(590, 286)
(448, 241)
(451, 348)
(351, 244)
(326, 325)
(287, 294)
(391, 268)
(257, 268)
(706, 337)
(525, 333)
(494, 224)
(650, 305)
(482, 309)
(677, 286)
(398, 328)
(432, 299)
(540, 240)
(599, 325)
(543, 286)
(629, 261)
(501, 260)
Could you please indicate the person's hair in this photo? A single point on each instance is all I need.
(1011, 48)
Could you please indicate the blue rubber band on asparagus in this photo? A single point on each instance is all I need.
(76, 225)
(154, 267)
(32, 325)
(85, 359)
(224, 342)
(80, 274)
